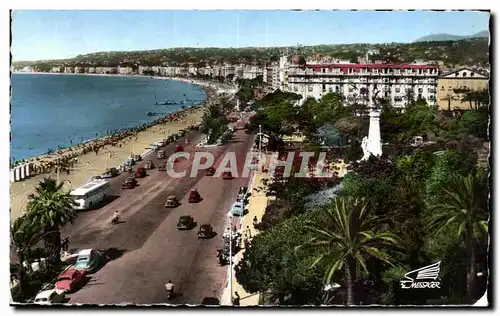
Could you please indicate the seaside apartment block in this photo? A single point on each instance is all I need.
(361, 81)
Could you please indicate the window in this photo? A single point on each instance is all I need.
(472, 74)
(310, 88)
(420, 90)
(398, 90)
(351, 89)
(375, 71)
(397, 71)
(464, 74)
(442, 88)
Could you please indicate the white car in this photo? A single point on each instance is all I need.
(49, 297)
(237, 209)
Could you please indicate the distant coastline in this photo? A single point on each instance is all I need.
(209, 88)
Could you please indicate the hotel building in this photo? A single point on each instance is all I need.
(359, 81)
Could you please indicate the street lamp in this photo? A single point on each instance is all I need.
(229, 225)
(260, 142)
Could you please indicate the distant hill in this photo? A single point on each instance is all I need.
(449, 37)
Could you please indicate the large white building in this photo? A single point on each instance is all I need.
(359, 81)
(125, 70)
(252, 72)
(270, 75)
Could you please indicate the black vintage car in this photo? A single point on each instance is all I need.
(162, 166)
(129, 183)
(206, 231)
(185, 222)
(110, 173)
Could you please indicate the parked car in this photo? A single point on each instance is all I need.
(71, 280)
(136, 158)
(129, 162)
(185, 222)
(149, 165)
(162, 166)
(194, 196)
(110, 173)
(227, 175)
(242, 193)
(179, 148)
(129, 183)
(140, 173)
(206, 231)
(89, 260)
(172, 201)
(237, 208)
(210, 171)
(49, 297)
(160, 154)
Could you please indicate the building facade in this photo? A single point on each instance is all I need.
(252, 72)
(270, 76)
(125, 70)
(361, 81)
(453, 85)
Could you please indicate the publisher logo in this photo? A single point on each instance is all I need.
(414, 278)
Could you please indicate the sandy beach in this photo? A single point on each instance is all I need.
(111, 154)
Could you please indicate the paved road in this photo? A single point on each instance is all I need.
(148, 248)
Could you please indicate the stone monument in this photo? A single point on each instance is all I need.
(372, 145)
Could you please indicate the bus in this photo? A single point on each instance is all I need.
(90, 194)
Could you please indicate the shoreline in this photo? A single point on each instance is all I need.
(206, 86)
(60, 156)
(74, 167)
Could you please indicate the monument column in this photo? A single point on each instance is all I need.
(374, 140)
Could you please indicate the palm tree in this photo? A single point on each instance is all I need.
(22, 239)
(449, 98)
(48, 210)
(464, 203)
(349, 235)
(468, 97)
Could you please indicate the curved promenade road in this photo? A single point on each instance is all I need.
(149, 248)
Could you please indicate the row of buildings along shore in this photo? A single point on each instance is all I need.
(355, 81)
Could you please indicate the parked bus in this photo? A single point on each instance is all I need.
(91, 194)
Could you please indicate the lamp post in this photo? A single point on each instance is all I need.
(229, 225)
(260, 143)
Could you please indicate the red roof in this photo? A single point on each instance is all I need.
(372, 66)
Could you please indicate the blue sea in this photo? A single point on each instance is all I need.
(48, 111)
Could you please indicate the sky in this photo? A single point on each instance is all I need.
(64, 34)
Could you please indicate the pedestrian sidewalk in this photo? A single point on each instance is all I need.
(256, 207)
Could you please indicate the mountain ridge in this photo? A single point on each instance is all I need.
(451, 37)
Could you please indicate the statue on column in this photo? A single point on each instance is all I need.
(372, 145)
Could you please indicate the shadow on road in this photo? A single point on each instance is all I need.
(111, 254)
(108, 200)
